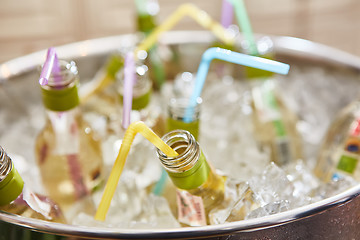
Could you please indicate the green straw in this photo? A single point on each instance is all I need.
(244, 23)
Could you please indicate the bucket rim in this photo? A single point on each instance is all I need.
(240, 226)
(282, 44)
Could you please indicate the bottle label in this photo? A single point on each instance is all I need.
(348, 159)
(35, 203)
(266, 103)
(190, 209)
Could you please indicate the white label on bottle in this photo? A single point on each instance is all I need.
(66, 132)
(265, 111)
(190, 209)
(35, 203)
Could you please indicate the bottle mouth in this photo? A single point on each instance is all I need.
(185, 145)
(178, 108)
(5, 164)
(142, 85)
(66, 77)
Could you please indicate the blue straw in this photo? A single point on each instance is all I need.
(233, 57)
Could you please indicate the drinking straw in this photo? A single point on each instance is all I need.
(233, 57)
(160, 185)
(129, 81)
(227, 14)
(186, 10)
(130, 133)
(51, 65)
(244, 24)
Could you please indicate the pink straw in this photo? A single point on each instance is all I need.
(227, 14)
(51, 65)
(129, 81)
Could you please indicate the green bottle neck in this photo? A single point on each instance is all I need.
(11, 183)
(189, 170)
(61, 92)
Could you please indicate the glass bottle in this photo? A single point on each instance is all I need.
(176, 118)
(68, 152)
(274, 122)
(16, 198)
(190, 171)
(145, 106)
(340, 151)
(147, 11)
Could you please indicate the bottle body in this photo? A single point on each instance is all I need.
(274, 124)
(70, 163)
(191, 172)
(16, 198)
(340, 151)
(68, 153)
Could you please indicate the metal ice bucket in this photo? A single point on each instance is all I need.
(337, 217)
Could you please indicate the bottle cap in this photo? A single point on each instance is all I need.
(11, 187)
(194, 177)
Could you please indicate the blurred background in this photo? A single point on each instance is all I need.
(32, 25)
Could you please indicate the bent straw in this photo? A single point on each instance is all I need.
(244, 24)
(227, 14)
(130, 133)
(186, 10)
(51, 65)
(233, 57)
(129, 81)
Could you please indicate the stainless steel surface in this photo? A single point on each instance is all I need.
(333, 218)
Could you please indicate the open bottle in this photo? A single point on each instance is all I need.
(68, 153)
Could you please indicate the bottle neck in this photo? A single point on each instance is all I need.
(11, 184)
(189, 169)
(265, 49)
(178, 111)
(5, 164)
(142, 89)
(146, 12)
(178, 108)
(61, 92)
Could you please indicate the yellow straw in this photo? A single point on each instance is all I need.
(186, 10)
(132, 130)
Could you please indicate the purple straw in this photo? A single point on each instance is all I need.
(129, 81)
(227, 14)
(51, 65)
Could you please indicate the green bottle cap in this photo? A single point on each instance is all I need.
(139, 102)
(194, 177)
(11, 187)
(60, 99)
